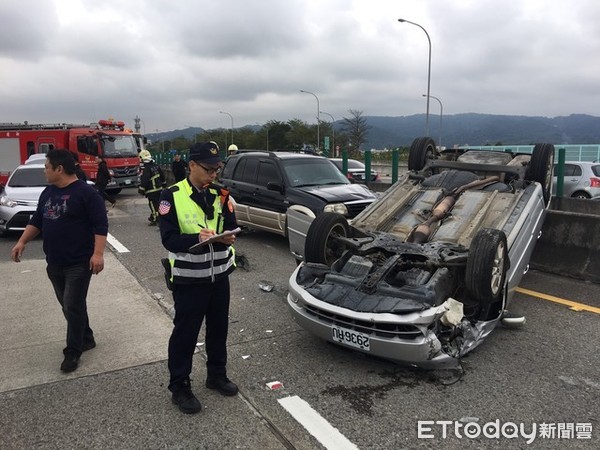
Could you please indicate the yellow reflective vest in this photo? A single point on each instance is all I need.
(212, 264)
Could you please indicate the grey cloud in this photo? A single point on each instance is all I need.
(26, 28)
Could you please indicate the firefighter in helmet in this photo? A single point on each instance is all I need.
(152, 182)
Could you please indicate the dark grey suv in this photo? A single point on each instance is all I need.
(265, 185)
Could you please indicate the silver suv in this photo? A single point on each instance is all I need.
(581, 179)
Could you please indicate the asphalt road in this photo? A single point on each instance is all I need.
(545, 373)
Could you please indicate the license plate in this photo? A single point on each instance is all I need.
(127, 181)
(351, 338)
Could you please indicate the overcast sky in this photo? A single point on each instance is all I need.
(178, 63)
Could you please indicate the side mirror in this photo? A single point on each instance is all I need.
(272, 186)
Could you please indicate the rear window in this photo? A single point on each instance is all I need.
(354, 164)
(28, 178)
(596, 170)
(571, 170)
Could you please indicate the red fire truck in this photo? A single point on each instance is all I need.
(109, 138)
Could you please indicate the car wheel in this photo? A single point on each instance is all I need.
(321, 246)
(421, 150)
(487, 265)
(540, 168)
(583, 195)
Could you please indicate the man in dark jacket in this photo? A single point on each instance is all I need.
(152, 183)
(179, 168)
(73, 222)
(103, 177)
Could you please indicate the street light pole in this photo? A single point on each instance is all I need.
(428, 72)
(318, 115)
(332, 131)
(441, 115)
(231, 117)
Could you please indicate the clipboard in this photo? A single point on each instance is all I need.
(196, 247)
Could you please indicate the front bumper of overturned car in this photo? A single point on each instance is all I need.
(420, 346)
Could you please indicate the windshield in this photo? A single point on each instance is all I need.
(29, 177)
(312, 172)
(119, 146)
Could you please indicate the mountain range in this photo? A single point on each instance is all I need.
(461, 129)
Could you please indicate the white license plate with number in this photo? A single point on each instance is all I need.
(351, 338)
(127, 181)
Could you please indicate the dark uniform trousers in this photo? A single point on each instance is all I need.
(194, 303)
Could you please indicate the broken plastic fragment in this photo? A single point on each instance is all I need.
(245, 356)
(265, 286)
(454, 313)
(274, 385)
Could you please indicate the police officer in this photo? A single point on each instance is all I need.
(152, 181)
(191, 211)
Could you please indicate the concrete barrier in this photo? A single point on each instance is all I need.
(570, 241)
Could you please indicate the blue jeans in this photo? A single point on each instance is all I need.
(71, 285)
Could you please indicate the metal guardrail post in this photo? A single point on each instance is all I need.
(395, 159)
(560, 172)
(367, 167)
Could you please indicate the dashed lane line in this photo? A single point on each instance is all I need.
(315, 424)
(116, 244)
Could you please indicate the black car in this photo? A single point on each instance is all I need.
(264, 185)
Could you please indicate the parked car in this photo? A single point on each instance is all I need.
(426, 272)
(356, 170)
(265, 185)
(19, 198)
(581, 179)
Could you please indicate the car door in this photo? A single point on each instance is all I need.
(572, 176)
(269, 205)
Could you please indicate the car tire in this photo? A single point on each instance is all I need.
(321, 246)
(421, 150)
(487, 265)
(540, 168)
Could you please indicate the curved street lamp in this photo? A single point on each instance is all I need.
(223, 112)
(441, 115)
(318, 116)
(332, 131)
(428, 72)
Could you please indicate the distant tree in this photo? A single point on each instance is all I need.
(278, 134)
(300, 133)
(356, 129)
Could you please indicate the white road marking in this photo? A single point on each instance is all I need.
(315, 424)
(116, 244)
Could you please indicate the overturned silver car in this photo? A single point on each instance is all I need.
(425, 273)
